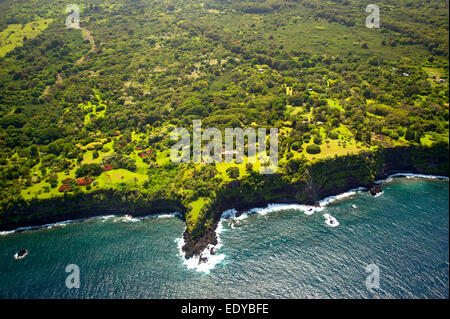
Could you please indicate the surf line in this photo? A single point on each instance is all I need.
(126, 218)
(209, 258)
(410, 175)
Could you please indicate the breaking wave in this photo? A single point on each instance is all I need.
(125, 218)
(410, 175)
(208, 259)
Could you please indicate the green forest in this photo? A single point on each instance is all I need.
(91, 109)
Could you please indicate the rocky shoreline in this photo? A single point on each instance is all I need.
(195, 247)
(340, 175)
(376, 190)
(77, 209)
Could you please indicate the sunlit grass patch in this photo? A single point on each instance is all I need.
(14, 34)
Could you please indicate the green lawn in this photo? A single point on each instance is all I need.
(13, 35)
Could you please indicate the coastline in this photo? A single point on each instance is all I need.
(209, 257)
(102, 217)
(268, 244)
(197, 252)
(50, 212)
(328, 179)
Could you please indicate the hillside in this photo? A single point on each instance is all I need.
(90, 110)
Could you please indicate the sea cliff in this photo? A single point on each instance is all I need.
(317, 181)
(322, 179)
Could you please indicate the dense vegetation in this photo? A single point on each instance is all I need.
(99, 103)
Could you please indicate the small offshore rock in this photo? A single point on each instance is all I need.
(376, 190)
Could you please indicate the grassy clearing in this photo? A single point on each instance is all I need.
(334, 148)
(196, 208)
(94, 108)
(14, 34)
(335, 103)
(120, 178)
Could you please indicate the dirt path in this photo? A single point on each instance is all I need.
(87, 36)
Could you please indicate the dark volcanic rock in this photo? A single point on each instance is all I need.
(195, 246)
(375, 190)
(325, 178)
(80, 207)
(22, 253)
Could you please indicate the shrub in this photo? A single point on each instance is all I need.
(89, 169)
(84, 181)
(333, 135)
(313, 149)
(233, 172)
(53, 180)
(296, 146)
(67, 181)
(120, 161)
(410, 134)
(317, 140)
(65, 188)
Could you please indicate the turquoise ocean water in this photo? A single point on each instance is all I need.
(275, 253)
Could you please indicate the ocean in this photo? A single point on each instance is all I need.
(280, 251)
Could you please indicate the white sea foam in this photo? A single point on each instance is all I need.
(410, 175)
(46, 226)
(379, 194)
(271, 208)
(231, 216)
(170, 215)
(129, 218)
(104, 218)
(328, 200)
(4, 233)
(330, 220)
(210, 260)
(60, 224)
(126, 218)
